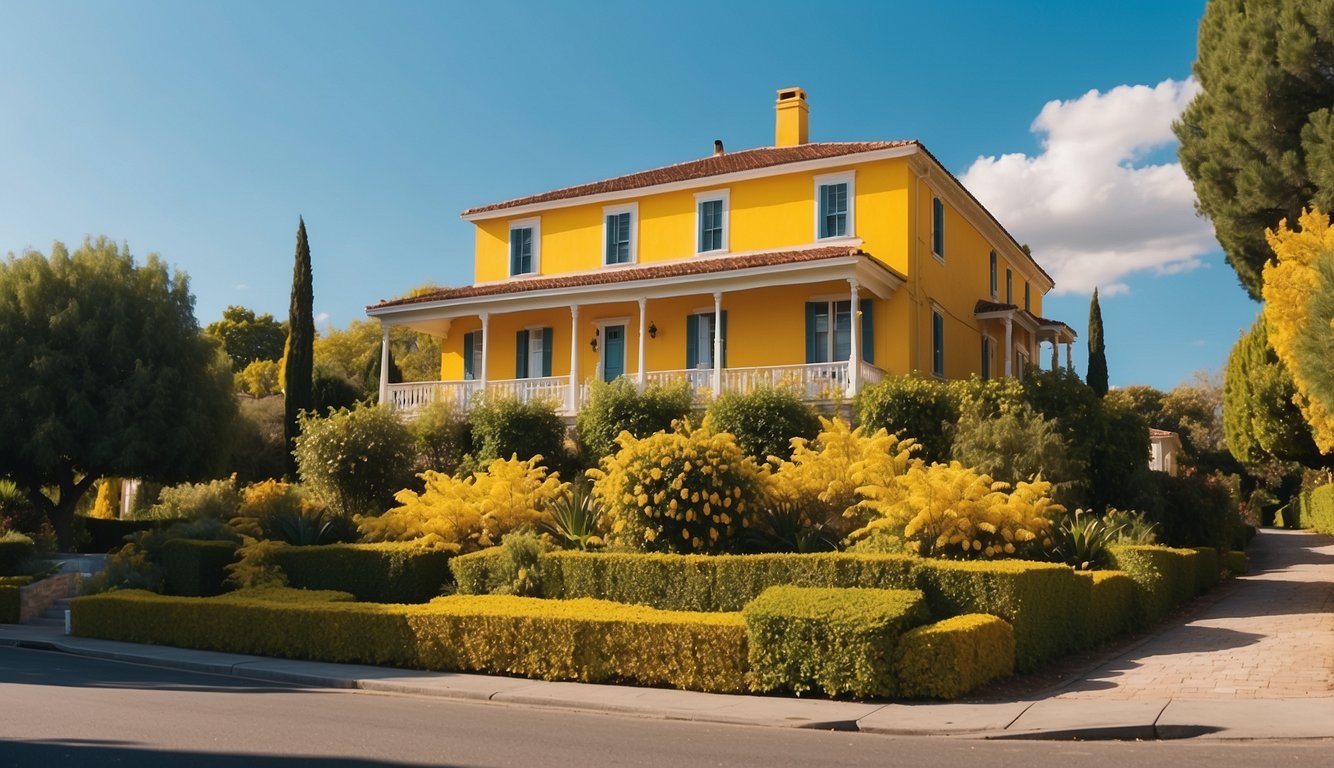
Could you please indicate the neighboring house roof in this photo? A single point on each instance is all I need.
(1161, 433)
(984, 307)
(610, 276)
(716, 165)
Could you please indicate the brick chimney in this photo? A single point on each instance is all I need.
(791, 118)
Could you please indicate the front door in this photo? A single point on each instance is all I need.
(613, 352)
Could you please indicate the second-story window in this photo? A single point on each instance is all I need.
(1009, 286)
(711, 215)
(525, 239)
(938, 227)
(1028, 298)
(834, 196)
(993, 274)
(619, 229)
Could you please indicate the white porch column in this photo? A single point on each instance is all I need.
(854, 357)
(384, 364)
(1009, 346)
(486, 349)
(643, 314)
(717, 343)
(572, 398)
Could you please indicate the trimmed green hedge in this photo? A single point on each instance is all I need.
(583, 640)
(1236, 563)
(106, 535)
(194, 568)
(836, 641)
(952, 657)
(1207, 569)
(1313, 509)
(1112, 607)
(375, 573)
(15, 552)
(1164, 578)
(1045, 603)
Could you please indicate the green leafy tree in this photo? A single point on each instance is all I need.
(1097, 371)
(911, 406)
(1259, 417)
(1258, 141)
(104, 372)
(357, 459)
(353, 353)
(619, 406)
(298, 356)
(248, 338)
(1193, 410)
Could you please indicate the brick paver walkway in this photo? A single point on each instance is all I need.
(1265, 636)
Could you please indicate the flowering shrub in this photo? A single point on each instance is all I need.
(949, 510)
(687, 491)
(823, 475)
(465, 514)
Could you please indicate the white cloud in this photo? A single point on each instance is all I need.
(1091, 205)
(322, 317)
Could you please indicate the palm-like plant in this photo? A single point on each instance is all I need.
(1081, 540)
(575, 518)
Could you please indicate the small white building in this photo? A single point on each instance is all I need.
(1163, 449)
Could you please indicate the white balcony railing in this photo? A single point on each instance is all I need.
(816, 382)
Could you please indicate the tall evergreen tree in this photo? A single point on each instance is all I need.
(1097, 370)
(1259, 417)
(1258, 141)
(298, 357)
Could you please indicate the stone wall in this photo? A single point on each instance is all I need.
(35, 597)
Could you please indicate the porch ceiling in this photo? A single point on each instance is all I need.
(702, 275)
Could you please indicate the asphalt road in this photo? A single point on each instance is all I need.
(58, 710)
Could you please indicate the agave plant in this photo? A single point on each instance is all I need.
(1081, 540)
(786, 527)
(575, 518)
(1132, 527)
(308, 526)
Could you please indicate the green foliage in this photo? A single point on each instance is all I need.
(1080, 540)
(216, 499)
(1193, 410)
(947, 659)
(1164, 578)
(16, 550)
(258, 379)
(194, 568)
(506, 427)
(1236, 563)
(1118, 450)
(835, 641)
(576, 518)
(353, 354)
(1097, 371)
(516, 568)
(1017, 444)
(377, 573)
(11, 600)
(257, 452)
(1260, 420)
(1313, 509)
(440, 434)
(786, 526)
(127, 568)
(355, 460)
(106, 535)
(298, 353)
(1193, 511)
(910, 407)
(1132, 527)
(582, 640)
(1257, 142)
(248, 338)
(113, 375)
(619, 406)
(1112, 609)
(765, 420)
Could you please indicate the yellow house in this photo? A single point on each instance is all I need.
(820, 266)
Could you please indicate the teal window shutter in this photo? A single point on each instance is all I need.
(469, 344)
(692, 341)
(1028, 298)
(938, 227)
(937, 344)
(521, 355)
(546, 351)
(868, 331)
(723, 338)
(813, 311)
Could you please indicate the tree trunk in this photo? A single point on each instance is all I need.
(61, 512)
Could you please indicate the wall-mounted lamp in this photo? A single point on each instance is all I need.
(652, 330)
(593, 342)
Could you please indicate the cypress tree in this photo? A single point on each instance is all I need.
(1097, 370)
(299, 355)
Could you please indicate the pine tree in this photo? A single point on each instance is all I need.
(1258, 141)
(1097, 370)
(298, 357)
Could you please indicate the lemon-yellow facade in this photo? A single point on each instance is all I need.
(818, 266)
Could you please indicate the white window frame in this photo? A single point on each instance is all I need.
(833, 300)
(613, 210)
(534, 224)
(535, 352)
(725, 197)
(826, 179)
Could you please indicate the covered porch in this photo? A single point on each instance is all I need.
(1019, 336)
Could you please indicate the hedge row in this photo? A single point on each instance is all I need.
(950, 658)
(194, 568)
(1164, 578)
(836, 641)
(583, 640)
(107, 535)
(1111, 608)
(10, 599)
(14, 554)
(1236, 562)
(1313, 509)
(1045, 603)
(374, 573)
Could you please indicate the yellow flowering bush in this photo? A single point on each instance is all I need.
(264, 502)
(949, 510)
(466, 514)
(823, 475)
(686, 491)
(1299, 307)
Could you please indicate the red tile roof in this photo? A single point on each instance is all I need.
(614, 275)
(983, 306)
(716, 165)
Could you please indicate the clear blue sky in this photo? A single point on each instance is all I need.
(201, 131)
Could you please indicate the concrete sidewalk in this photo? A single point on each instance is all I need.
(1170, 685)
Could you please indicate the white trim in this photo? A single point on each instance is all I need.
(724, 195)
(535, 224)
(721, 179)
(616, 210)
(848, 177)
(602, 325)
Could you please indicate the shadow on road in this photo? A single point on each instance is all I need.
(72, 753)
